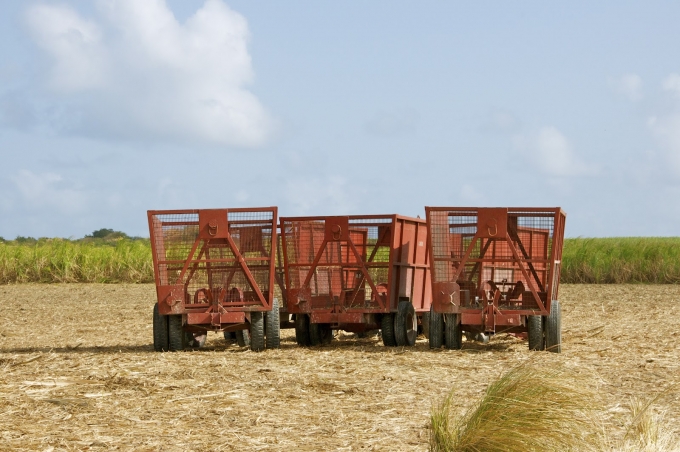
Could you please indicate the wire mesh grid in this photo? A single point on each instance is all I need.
(174, 236)
(377, 248)
(214, 269)
(339, 271)
(493, 263)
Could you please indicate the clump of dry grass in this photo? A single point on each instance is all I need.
(529, 408)
(646, 431)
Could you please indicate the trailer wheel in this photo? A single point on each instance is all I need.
(453, 333)
(535, 332)
(405, 325)
(243, 338)
(425, 322)
(320, 334)
(229, 337)
(160, 331)
(256, 331)
(273, 326)
(302, 329)
(436, 337)
(176, 337)
(387, 330)
(552, 325)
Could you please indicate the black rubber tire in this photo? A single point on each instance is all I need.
(552, 326)
(257, 331)
(243, 338)
(405, 325)
(453, 333)
(436, 338)
(425, 322)
(176, 336)
(272, 325)
(160, 331)
(320, 334)
(229, 337)
(302, 330)
(387, 330)
(535, 332)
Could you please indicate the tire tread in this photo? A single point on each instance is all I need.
(553, 328)
(436, 338)
(453, 333)
(160, 330)
(387, 330)
(257, 331)
(176, 336)
(273, 326)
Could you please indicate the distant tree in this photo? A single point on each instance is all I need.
(21, 239)
(107, 234)
(102, 233)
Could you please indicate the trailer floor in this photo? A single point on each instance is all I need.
(77, 372)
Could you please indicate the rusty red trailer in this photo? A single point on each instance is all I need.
(356, 273)
(495, 270)
(214, 271)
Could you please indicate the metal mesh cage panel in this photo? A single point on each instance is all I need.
(174, 235)
(339, 264)
(211, 267)
(514, 263)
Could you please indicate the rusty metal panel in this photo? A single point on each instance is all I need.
(421, 280)
(337, 229)
(198, 318)
(354, 265)
(492, 222)
(214, 261)
(505, 257)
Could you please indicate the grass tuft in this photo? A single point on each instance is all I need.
(530, 408)
(646, 432)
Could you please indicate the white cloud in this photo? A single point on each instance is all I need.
(630, 85)
(550, 151)
(672, 83)
(48, 191)
(136, 72)
(74, 43)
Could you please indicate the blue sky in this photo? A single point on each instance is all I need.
(110, 108)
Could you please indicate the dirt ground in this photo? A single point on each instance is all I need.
(77, 372)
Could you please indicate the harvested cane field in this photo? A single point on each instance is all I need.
(78, 373)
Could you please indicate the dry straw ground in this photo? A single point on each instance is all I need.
(77, 372)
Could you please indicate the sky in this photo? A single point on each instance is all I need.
(110, 108)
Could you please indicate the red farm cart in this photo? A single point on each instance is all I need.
(356, 273)
(495, 270)
(214, 271)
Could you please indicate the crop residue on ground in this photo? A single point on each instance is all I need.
(78, 372)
